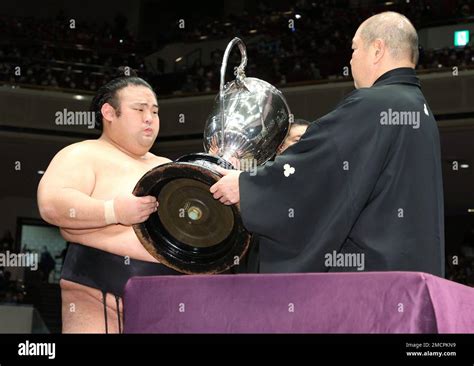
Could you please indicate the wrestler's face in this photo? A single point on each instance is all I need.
(362, 65)
(135, 124)
(294, 135)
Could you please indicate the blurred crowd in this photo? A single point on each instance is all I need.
(311, 41)
(460, 265)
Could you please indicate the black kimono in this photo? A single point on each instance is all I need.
(362, 189)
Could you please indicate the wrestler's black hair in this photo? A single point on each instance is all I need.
(108, 94)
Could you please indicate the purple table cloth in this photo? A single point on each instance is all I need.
(369, 302)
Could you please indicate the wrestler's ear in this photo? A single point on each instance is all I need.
(108, 112)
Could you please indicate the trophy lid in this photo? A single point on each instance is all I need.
(250, 117)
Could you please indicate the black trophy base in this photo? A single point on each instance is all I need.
(191, 231)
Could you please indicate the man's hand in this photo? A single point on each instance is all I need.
(130, 209)
(226, 189)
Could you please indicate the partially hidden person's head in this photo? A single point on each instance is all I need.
(297, 129)
(126, 111)
(383, 42)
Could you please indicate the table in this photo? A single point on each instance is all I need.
(366, 302)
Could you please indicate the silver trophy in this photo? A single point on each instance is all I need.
(192, 232)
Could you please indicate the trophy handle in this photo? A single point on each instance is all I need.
(239, 73)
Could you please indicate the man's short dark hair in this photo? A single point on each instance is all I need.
(108, 94)
(300, 122)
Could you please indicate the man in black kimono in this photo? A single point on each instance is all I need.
(362, 189)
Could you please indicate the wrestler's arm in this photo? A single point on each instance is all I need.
(64, 191)
(64, 194)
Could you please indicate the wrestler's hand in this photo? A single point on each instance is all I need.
(226, 189)
(130, 209)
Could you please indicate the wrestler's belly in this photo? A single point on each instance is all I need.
(116, 239)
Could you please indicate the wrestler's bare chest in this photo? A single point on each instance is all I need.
(115, 173)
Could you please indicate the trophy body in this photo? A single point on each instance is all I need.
(192, 232)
